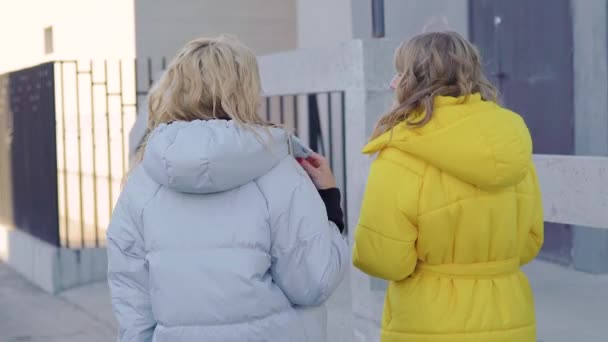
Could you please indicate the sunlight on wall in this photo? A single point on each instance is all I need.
(81, 30)
(95, 112)
(92, 128)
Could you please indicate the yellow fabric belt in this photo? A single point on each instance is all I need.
(484, 269)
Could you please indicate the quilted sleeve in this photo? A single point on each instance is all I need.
(536, 234)
(309, 255)
(128, 277)
(387, 231)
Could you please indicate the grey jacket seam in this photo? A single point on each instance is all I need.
(203, 325)
(298, 241)
(268, 219)
(384, 235)
(164, 155)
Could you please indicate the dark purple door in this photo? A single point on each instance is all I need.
(527, 48)
(28, 110)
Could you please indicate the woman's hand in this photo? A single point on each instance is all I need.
(319, 171)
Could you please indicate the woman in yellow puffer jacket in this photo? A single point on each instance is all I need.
(452, 207)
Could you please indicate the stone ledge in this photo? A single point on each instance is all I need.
(53, 269)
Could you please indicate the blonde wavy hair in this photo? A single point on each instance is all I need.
(210, 78)
(429, 65)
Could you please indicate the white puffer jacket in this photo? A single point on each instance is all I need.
(218, 236)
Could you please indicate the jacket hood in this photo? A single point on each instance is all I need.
(474, 140)
(215, 155)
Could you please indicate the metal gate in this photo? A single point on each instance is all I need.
(319, 119)
(65, 131)
(28, 189)
(528, 50)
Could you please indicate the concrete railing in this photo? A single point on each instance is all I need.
(575, 189)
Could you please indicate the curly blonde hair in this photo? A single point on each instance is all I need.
(429, 65)
(210, 78)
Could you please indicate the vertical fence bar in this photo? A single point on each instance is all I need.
(282, 110)
(331, 132)
(150, 81)
(109, 141)
(136, 86)
(164, 63)
(94, 147)
(122, 120)
(79, 147)
(268, 109)
(378, 18)
(344, 164)
(315, 136)
(295, 115)
(65, 160)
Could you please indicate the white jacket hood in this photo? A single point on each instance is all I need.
(214, 156)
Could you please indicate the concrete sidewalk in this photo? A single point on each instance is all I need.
(28, 314)
(571, 306)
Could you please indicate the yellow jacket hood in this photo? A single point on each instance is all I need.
(474, 140)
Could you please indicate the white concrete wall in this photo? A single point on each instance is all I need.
(575, 189)
(6, 210)
(163, 27)
(590, 251)
(51, 268)
(590, 77)
(323, 23)
(405, 18)
(82, 30)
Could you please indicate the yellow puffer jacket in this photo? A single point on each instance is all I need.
(451, 211)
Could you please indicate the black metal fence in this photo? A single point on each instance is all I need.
(69, 142)
(98, 102)
(319, 120)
